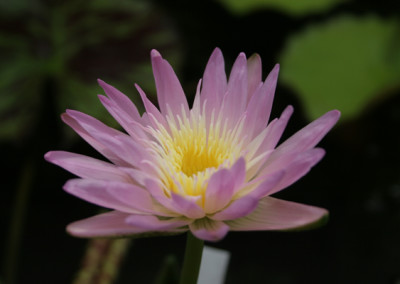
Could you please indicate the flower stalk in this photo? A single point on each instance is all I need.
(192, 259)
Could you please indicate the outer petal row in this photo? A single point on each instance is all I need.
(276, 214)
(119, 224)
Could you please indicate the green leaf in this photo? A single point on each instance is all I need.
(296, 8)
(342, 64)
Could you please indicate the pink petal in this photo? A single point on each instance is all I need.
(275, 130)
(295, 166)
(310, 135)
(86, 167)
(123, 103)
(110, 224)
(222, 185)
(209, 230)
(187, 206)
(133, 127)
(176, 203)
(269, 138)
(214, 82)
(270, 182)
(169, 89)
(260, 104)
(275, 214)
(152, 223)
(116, 142)
(236, 96)
(111, 194)
(154, 114)
(237, 209)
(136, 175)
(238, 172)
(196, 108)
(100, 147)
(254, 70)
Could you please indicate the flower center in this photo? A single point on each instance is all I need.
(195, 154)
(189, 153)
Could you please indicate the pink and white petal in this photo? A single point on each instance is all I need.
(196, 108)
(310, 135)
(254, 71)
(122, 109)
(152, 223)
(214, 82)
(209, 230)
(137, 176)
(235, 99)
(260, 104)
(100, 147)
(87, 167)
(187, 206)
(276, 214)
(132, 126)
(120, 144)
(270, 182)
(110, 224)
(154, 115)
(299, 167)
(169, 89)
(237, 209)
(274, 131)
(114, 195)
(238, 171)
(161, 198)
(222, 185)
(219, 191)
(123, 103)
(116, 142)
(127, 149)
(264, 150)
(176, 203)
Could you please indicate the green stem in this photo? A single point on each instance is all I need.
(192, 260)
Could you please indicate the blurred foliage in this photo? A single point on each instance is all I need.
(296, 8)
(53, 53)
(345, 63)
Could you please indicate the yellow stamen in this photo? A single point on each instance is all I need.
(189, 152)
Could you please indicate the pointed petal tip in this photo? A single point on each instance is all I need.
(217, 50)
(48, 156)
(330, 118)
(64, 116)
(217, 53)
(242, 55)
(319, 153)
(154, 53)
(103, 98)
(288, 111)
(335, 113)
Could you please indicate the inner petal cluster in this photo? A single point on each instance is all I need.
(191, 150)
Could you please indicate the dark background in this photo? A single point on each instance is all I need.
(51, 54)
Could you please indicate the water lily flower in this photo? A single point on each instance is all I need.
(208, 169)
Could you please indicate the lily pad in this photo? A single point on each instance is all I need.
(344, 64)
